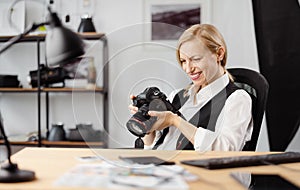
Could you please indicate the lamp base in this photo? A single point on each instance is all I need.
(11, 174)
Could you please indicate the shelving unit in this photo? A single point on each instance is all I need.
(39, 90)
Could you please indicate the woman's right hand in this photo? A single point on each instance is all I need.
(148, 138)
(133, 109)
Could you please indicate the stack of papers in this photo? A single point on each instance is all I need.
(120, 174)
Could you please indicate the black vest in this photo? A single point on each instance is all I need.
(206, 117)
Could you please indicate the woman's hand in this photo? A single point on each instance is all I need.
(133, 109)
(148, 138)
(164, 119)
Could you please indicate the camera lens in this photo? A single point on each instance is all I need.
(140, 127)
(134, 126)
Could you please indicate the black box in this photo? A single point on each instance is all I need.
(9, 81)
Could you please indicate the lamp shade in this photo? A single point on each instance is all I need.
(62, 44)
(86, 24)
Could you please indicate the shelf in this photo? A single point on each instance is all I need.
(41, 37)
(57, 143)
(97, 89)
(72, 143)
(18, 90)
(22, 90)
(28, 38)
(91, 35)
(21, 143)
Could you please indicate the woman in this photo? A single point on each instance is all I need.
(216, 115)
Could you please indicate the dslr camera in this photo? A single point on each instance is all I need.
(150, 99)
(48, 76)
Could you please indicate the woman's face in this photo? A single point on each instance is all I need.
(199, 63)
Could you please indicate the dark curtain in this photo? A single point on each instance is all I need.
(277, 28)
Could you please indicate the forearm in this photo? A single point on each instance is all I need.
(186, 128)
(166, 119)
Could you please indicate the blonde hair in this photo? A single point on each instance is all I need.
(209, 36)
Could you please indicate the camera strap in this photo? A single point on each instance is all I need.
(177, 102)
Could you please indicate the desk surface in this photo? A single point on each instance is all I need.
(50, 163)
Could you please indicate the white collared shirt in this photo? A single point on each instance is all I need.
(233, 127)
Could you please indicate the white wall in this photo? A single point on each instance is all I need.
(133, 64)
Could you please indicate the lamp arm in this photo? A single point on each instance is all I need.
(9, 172)
(6, 142)
(17, 38)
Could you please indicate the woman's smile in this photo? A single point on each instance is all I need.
(196, 75)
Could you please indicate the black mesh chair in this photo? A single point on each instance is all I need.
(257, 86)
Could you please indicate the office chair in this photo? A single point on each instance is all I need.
(258, 87)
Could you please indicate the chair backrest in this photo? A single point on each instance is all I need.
(258, 87)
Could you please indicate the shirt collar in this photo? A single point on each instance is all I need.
(212, 89)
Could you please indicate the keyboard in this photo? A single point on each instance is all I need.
(243, 161)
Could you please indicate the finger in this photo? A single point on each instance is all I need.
(154, 113)
(132, 97)
(160, 115)
(132, 112)
(132, 108)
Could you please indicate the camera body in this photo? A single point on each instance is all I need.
(150, 99)
(47, 76)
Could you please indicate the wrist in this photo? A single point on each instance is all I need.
(176, 120)
(149, 138)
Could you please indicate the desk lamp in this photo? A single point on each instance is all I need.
(62, 45)
(9, 172)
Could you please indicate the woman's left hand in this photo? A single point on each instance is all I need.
(164, 119)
